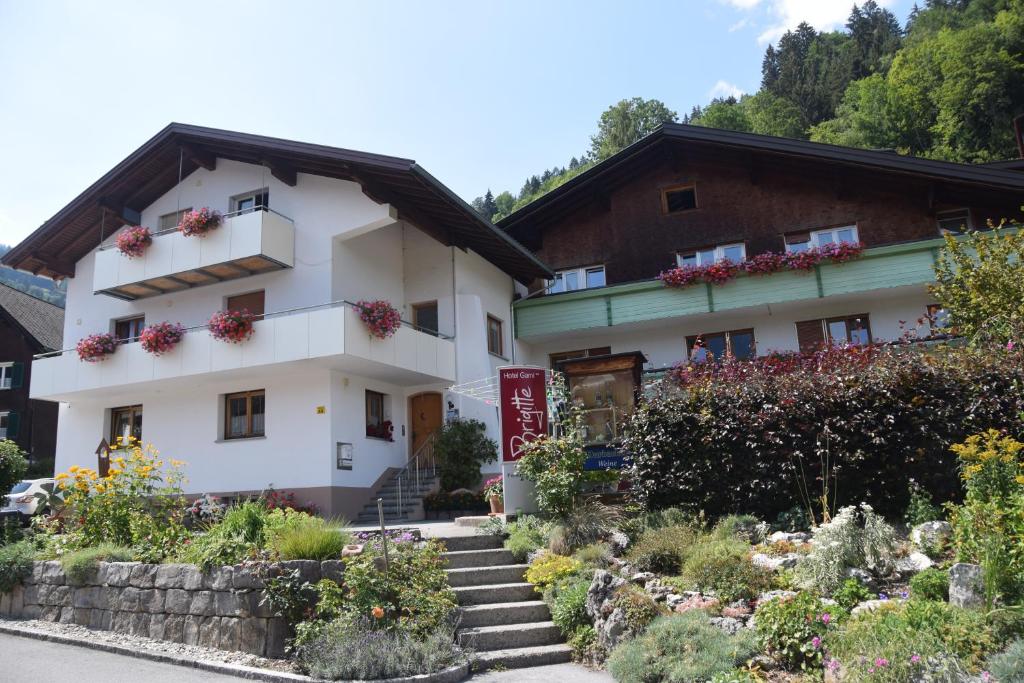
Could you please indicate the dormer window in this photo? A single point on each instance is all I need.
(956, 222)
(577, 278)
(802, 241)
(678, 199)
(705, 257)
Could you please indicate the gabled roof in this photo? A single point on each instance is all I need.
(41, 320)
(618, 167)
(153, 169)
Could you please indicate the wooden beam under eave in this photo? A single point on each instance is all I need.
(55, 264)
(201, 157)
(120, 212)
(282, 171)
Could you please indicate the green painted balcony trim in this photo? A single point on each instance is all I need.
(894, 265)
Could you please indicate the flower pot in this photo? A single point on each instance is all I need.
(497, 505)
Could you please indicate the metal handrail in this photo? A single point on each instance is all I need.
(274, 314)
(229, 214)
(422, 460)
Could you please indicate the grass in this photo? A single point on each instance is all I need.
(311, 539)
(81, 565)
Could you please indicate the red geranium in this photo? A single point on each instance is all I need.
(161, 337)
(96, 347)
(803, 260)
(380, 317)
(719, 272)
(232, 326)
(842, 252)
(764, 264)
(132, 242)
(198, 223)
(682, 276)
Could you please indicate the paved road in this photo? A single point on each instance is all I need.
(25, 659)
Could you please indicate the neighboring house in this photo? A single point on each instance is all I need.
(28, 326)
(306, 403)
(692, 195)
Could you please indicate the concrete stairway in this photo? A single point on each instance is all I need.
(503, 618)
(412, 501)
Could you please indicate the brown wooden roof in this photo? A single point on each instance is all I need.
(152, 169)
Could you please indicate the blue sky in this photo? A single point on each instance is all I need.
(481, 93)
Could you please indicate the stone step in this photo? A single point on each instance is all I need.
(496, 613)
(456, 544)
(498, 593)
(388, 519)
(522, 657)
(486, 576)
(505, 636)
(464, 559)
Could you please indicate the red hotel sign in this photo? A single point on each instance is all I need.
(522, 395)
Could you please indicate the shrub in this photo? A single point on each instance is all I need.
(663, 550)
(1008, 665)
(583, 642)
(311, 539)
(752, 440)
(598, 555)
(636, 525)
(930, 584)
(791, 629)
(856, 537)
(588, 522)
(638, 606)
(920, 508)
(680, 648)
(555, 465)
(13, 465)
(358, 650)
(851, 593)
(525, 535)
(81, 565)
(236, 537)
(461, 447)
(549, 568)
(15, 564)
(743, 527)
(724, 566)
(569, 606)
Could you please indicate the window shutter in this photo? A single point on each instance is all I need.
(17, 375)
(13, 421)
(810, 335)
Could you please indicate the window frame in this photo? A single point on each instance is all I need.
(374, 397)
(259, 194)
(864, 318)
(178, 215)
(813, 237)
(416, 308)
(718, 254)
(666, 191)
(133, 412)
(492, 319)
(6, 375)
(5, 417)
(967, 224)
(138, 321)
(581, 278)
(249, 415)
(256, 316)
(690, 340)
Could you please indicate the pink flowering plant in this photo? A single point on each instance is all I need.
(792, 630)
(719, 272)
(769, 262)
(233, 327)
(682, 276)
(132, 242)
(494, 487)
(96, 347)
(803, 260)
(160, 338)
(380, 317)
(764, 264)
(199, 223)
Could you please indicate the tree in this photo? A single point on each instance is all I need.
(876, 37)
(461, 447)
(980, 282)
(12, 465)
(869, 117)
(503, 203)
(624, 123)
(770, 114)
(726, 113)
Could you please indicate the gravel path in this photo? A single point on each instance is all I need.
(558, 673)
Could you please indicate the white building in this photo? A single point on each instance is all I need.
(308, 231)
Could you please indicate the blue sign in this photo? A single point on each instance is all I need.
(604, 458)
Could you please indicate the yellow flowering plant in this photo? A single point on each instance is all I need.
(138, 504)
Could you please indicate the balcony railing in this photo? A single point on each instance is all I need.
(247, 243)
(331, 334)
(878, 268)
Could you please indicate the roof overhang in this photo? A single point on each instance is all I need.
(150, 171)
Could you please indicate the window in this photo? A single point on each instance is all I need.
(129, 329)
(5, 421)
(252, 302)
(11, 375)
(802, 241)
(705, 257)
(678, 199)
(958, 221)
(813, 334)
(170, 221)
(577, 278)
(938, 319)
(556, 358)
(244, 414)
(495, 338)
(251, 201)
(124, 422)
(377, 426)
(424, 317)
(719, 345)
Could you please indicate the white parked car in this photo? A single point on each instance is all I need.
(23, 501)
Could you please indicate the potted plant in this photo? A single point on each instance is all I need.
(161, 337)
(233, 327)
(96, 347)
(494, 492)
(132, 242)
(199, 223)
(380, 317)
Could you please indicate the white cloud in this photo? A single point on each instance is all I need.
(783, 15)
(724, 89)
(742, 4)
(742, 23)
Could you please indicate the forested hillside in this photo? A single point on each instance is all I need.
(944, 85)
(40, 287)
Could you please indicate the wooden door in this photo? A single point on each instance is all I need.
(425, 416)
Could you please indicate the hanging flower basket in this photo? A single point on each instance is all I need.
(233, 327)
(161, 337)
(132, 242)
(96, 347)
(199, 223)
(380, 317)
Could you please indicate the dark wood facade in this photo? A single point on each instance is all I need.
(32, 424)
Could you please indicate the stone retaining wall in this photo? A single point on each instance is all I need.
(177, 602)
